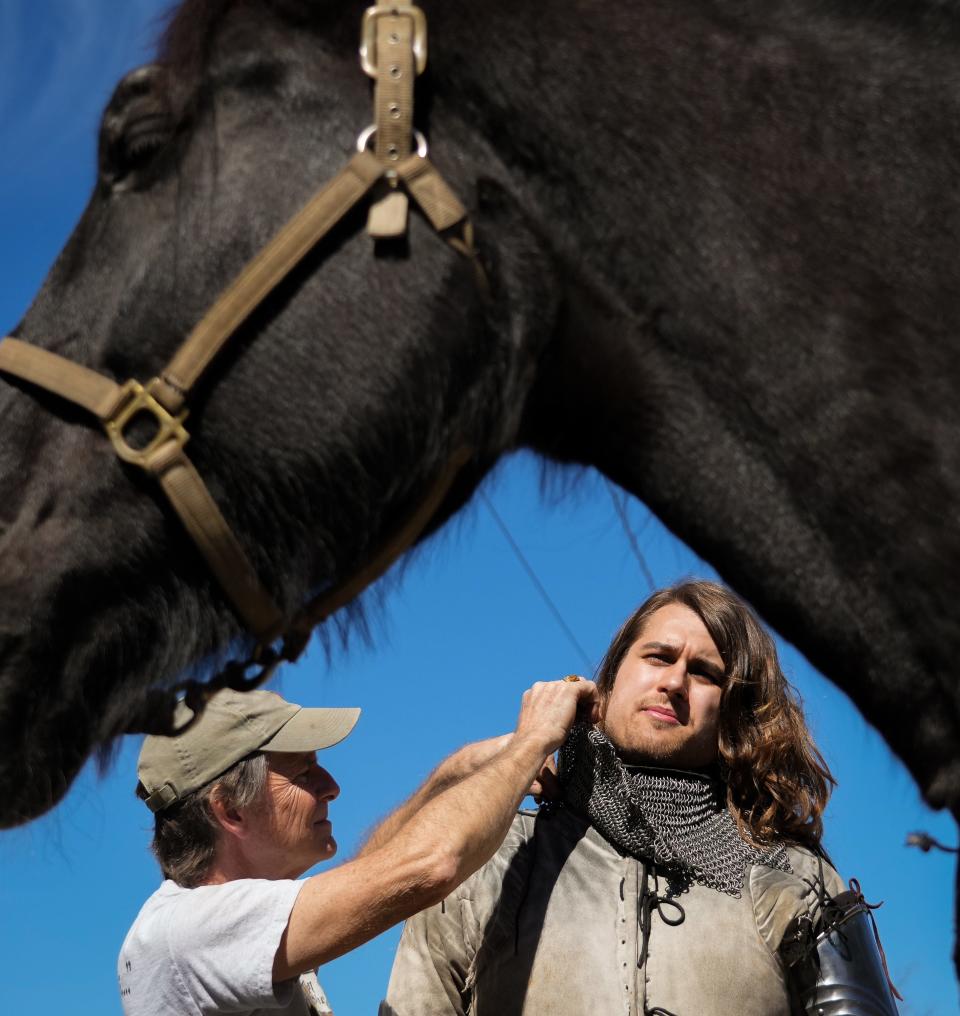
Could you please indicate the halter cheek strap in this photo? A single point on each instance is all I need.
(394, 50)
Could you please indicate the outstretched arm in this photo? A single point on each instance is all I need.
(452, 770)
(433, 849)
(461, 764)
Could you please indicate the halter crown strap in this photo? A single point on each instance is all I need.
(393, 51)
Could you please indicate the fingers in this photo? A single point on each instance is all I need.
(588, 703)
(545, 778)
(546, 787)
(585, 695)
(550, 708)
(588, 698)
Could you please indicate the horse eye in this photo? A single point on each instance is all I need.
(144, 139)
(126, 155)
(137, 125)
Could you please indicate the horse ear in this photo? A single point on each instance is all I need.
(137, 125)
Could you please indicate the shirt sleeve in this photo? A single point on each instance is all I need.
(431, 971)
(222, 941)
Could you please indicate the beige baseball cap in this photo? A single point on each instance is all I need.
(233, 725)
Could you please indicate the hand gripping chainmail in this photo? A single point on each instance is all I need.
(673, 818)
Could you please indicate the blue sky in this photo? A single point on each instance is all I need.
(455, 638)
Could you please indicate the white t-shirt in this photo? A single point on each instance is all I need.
(210, 950)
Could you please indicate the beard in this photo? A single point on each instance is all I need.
(648, 741)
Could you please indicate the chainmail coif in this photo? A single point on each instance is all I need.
(676, 819)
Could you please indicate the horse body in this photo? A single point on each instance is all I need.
(719, 243)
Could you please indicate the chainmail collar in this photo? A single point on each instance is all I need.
(671, 817)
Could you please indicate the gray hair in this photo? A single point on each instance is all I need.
(185, 834)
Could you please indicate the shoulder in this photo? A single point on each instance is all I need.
(162, 906)
(488, 880)
(780, 896)
(208, 949)
(179, 917)
(808, 866)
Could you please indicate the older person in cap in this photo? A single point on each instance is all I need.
(241, 811)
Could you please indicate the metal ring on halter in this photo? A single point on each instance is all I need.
(368, 132)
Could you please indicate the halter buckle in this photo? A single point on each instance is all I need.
(368, 35)
(136, 399)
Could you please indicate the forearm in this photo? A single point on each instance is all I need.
(464, 824)
(454, 833)
(452, 770)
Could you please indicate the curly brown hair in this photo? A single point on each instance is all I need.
(777, 781)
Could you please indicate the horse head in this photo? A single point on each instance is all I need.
(324, 424)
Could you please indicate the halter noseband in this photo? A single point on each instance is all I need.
(393, 51)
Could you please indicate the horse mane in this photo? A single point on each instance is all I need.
(190, 26)
(184, 43)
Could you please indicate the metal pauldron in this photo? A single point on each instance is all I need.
(835, 960)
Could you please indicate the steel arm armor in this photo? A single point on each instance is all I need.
(836, 962)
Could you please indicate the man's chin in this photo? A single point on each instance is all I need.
(322, 852)
(663, 756)
(651, 752)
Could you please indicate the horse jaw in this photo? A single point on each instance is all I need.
(88, 602)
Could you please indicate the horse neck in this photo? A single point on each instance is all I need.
(656, 127)
(748, 340)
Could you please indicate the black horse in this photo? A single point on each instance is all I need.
(719, 238)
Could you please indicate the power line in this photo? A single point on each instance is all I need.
(620, 507)
(541, 589)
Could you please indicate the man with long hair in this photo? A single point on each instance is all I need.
(680, 871)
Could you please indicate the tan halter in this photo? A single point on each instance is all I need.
(393, 51)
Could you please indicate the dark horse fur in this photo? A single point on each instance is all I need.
(722, 239)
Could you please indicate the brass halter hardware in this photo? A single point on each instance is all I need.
(164, 397)
(138, 400)
(369, 56)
